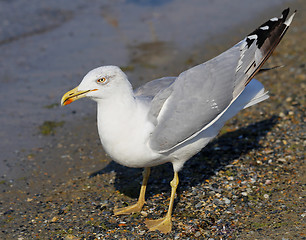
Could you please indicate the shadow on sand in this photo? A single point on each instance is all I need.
(216, 155)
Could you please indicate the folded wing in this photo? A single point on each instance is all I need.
(201, 94)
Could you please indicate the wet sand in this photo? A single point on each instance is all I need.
(246, 184)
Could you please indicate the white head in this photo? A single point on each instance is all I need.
(99, 83)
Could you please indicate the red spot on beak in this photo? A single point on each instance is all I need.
(68, 102)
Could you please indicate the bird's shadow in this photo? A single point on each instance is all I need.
(216, 155)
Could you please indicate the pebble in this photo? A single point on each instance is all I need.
(226, 201)
(266, 196)
(144, 213)
(288, 99)
(282, 160)
(71, 237)
(198, 205)
(282, 115)
(54, 219)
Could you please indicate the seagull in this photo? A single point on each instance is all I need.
(170, 119)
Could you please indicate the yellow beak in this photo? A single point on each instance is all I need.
(73, 95)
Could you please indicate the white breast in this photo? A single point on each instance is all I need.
(124, 132)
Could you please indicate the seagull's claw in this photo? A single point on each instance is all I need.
(129, 209)
(164, 224)
(141, 200)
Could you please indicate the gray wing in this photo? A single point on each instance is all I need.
(202, 93)
(153, 87)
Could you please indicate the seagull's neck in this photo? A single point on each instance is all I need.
(115, 119)
(116, 109)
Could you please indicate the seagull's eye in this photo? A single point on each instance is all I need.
(101, 80)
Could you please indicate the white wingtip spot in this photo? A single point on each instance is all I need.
(252, 37)
(265, 28)
(289, 20)
(274, 19)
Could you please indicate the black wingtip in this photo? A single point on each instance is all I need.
(285, 13)
(273, 30)
(264, 31)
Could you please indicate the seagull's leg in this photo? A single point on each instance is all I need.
(165, 224)
(141, 200)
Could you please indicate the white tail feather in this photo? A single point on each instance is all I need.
(261, 96)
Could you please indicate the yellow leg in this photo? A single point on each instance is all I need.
(165, 224)
(141, 200)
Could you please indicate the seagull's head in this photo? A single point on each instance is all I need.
(99, 83)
